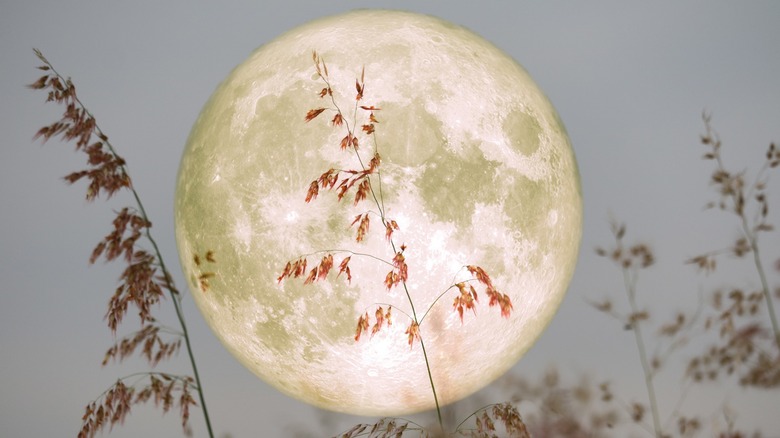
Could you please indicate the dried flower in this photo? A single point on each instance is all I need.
(390, 226)
(116, 404)
(154, 348)
(145, 276)
(413, 332)
(362, 326)
(466, 299)
(312, 114)
(344, 268)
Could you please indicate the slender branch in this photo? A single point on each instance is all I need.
(374, 187)
(175, 298)
(435, 301)
(362, 254)
(630, 285)
(473, 414)
(749, 233)
(167, 278)
(427, 362)
(174, 293)
(380, 206)
(765, 288)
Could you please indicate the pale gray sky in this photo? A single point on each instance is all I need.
(629, 81)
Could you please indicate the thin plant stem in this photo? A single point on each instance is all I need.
(175, 296)
(427, 362)
(174, 293)
(630, 285)
(748, 232)
(765, 287)
(753, 240)
(472, 415)
(380, 204)
(379, 201)
(349, 251)
(373, 185)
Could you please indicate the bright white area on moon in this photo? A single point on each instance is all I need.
(476, 170)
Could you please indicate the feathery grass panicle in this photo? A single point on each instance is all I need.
(366, 183)
(361, 177)
(630, 259)
(748, 335)
(747, 339)
(144, 279)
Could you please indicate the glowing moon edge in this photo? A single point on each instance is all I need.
(477, 169)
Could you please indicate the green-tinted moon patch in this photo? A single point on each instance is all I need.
(523, 131)
(452, 182)
(409, 134)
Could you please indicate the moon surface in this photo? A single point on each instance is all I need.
(476, 169)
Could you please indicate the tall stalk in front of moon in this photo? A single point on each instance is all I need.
(362, 179)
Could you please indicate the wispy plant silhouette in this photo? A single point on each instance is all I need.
(365, 180)
(749, 336)
(747, 339)
(144, 281)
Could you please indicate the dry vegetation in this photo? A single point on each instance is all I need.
(366, 181)
(143, 283)
(744, 339)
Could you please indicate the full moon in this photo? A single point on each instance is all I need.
(473, 168)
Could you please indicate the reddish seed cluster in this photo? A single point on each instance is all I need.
(496, 297)
(380, 316)
(115, 244)
(466, 299)
(142, 285)
(390, 227)
(117, 402)
(386, 427)
(106, 172)
(297, 269)
(413, 332)
(486, 420)
(352, 178)
(363, 221)
(154, 348)
(400, 272)
(343, 181)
